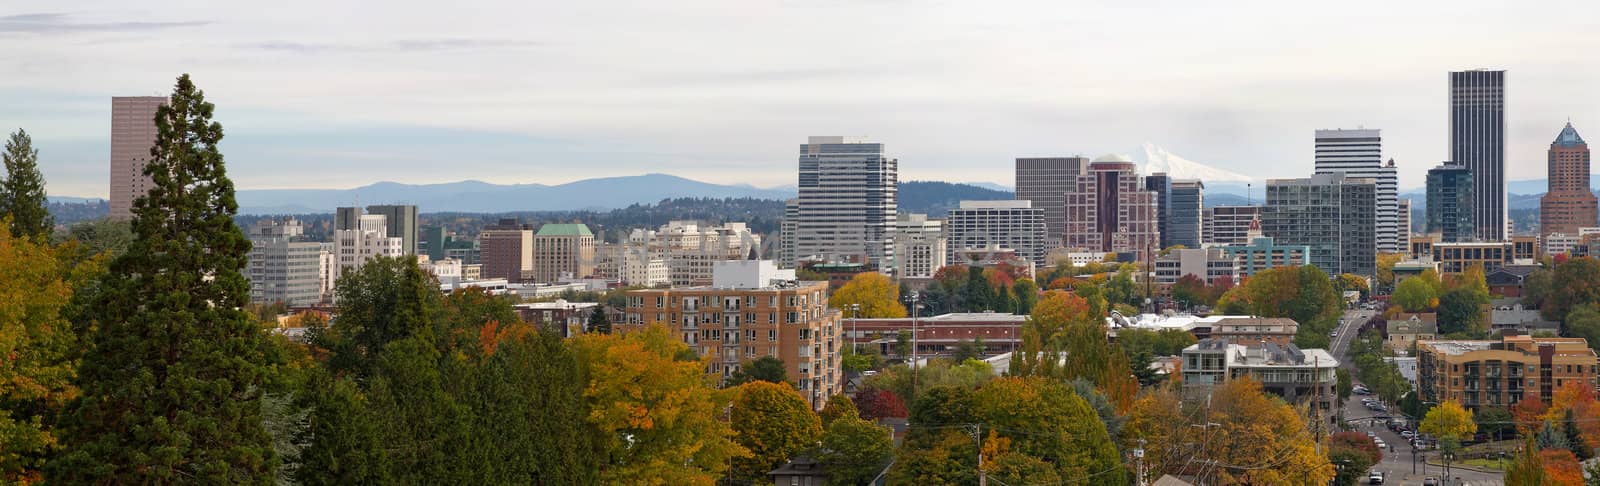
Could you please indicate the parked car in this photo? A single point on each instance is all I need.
(1430, 481)
(1407, 434)
(1375, 477)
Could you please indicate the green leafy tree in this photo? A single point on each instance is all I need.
(902, 344)
(1495, 421)
(977, 295)
(598, 322)
(1414, 295)
(1536, 288)
(854, 450)
(22, 190)
(1575, 283)
(766, 368)
(1462, 310)
(105, 235)
(1342, 386)
(774, 423)
(1026, 293)
(172, 391)
(1584, 322)
(974, 349)
(1122, 290)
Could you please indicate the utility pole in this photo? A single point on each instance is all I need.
(1316, 402)
(1138, 464)
(914, 296)
(977, 438)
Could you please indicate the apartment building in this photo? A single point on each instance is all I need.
(1503, 372)
(919, 245)
(751, 310)
(1299, 376)
(283, 265)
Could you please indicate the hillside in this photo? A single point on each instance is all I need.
(935, 198)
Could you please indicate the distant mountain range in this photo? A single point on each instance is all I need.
(484, 197)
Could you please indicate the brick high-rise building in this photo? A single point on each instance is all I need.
(133, 133)
(506, 250)
(1109, 210)
(1568, 204)
(751, 310)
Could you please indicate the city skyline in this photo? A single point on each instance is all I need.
(529, 96)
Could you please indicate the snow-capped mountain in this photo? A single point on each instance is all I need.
(1156, 159)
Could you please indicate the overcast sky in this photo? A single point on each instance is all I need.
(319, 94)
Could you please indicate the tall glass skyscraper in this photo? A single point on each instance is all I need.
(1451, 203)
(1478, 142)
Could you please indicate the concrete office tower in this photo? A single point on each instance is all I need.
(1402, 226)
(133, 133)
(786, 233)
(1182, 207)
(402, 223)
(1229, 225)
(1451, 203)
(562, 251)
(1478, 141)
(283, 266)
(369, 239)
(1568, 204)
(505, 250)
(920, 245)
(1359, 153)
(847, 202)
(1109, 210)
(1045, 182)
(1331, 213)
(1161, 185)
(1015, 225)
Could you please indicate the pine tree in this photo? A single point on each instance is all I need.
(172, 389)
(22, 191)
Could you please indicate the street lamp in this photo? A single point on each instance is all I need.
(912, 300)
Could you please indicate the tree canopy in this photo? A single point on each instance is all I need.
(877, 296)
(22, 195)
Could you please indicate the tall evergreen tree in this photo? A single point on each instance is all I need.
(172, 389)
(598, 322)
(22, 190)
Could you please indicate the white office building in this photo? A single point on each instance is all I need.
(283, 266)
(1010, 224)
(846, 209)
(1359, 154)
(919, 245)
(370, 239)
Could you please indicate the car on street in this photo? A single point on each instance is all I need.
(1407, 434)
(1375, 477)
(1430, 481)
(1333, 334)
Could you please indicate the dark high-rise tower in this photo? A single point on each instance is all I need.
(1477, 141)
(1568, 204)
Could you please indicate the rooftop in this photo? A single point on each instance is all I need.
(564, 229)
(1568, 137)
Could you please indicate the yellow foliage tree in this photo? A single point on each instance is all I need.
(656, 408)
(37, 347)
(1259, 439)
(1449, 420)
(875, 293)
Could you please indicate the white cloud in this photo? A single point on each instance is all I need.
(725, 90)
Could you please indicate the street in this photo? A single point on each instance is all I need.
(1397, 465)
